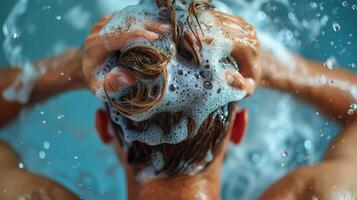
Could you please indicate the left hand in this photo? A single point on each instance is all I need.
(246, 50)
(323, 181)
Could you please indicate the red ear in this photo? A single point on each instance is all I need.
(239, 126)
(101, 124)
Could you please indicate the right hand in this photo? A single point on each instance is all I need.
(97, 47)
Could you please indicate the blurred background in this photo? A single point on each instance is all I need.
(53, 137)
(5, 8)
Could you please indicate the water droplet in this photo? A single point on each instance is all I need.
(336, 27)
(308, 144)
(21, 165)
(352, 109)
(255, 158)
(15, 35)
(75, 157)
(42, 112)
(46, 7)
(285, 153)
(58, 17)
(317, 113)
(62, 73)
(314, 198)
(207, 84)
(344, 4)
(60, 116)
(283, 164)
(42, 155)
(331, 62)
(180, 72)
(313, 5)
(44, 121)
(46, 145)
(354, 7)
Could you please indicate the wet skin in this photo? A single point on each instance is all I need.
(335, 172)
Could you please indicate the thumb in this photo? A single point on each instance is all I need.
(290, 187)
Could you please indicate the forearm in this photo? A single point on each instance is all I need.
(333, 91)
(345, 145)
(56, 74)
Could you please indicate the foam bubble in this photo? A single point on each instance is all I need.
(196, 91)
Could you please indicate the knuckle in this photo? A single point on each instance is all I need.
(140, 32)
(89, 39)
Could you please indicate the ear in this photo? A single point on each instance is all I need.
(239, 126)
(102, 125)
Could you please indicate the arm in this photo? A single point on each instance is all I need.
(332, 94)
(332, 91)
(62, 73)
(74, 69)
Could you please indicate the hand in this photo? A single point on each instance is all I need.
(326, 180)
(246, 50)
(97, 47)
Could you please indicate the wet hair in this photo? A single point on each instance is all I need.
(183, 157)
(147, 63)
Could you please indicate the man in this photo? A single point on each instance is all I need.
(322, 88)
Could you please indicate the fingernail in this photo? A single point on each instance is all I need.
(123, 82)
(165, 27)
(251, 81)
(230, 79)
(152, 35)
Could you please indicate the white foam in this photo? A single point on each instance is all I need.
(343, 195)
(195, 94)
(137, 16)
(21, 88)
(150, 172)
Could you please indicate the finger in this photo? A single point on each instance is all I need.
(236, 80)
(113, 41)
(98, 47)
(118, 79)
(98, 27)
(248, 61)
(102, 22)
(224, 17)
(107, 17)
(158, 27)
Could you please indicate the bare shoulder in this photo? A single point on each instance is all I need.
(16, 183)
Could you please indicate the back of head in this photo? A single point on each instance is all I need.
(174, 119)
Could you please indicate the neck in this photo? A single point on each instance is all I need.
(205, 186)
